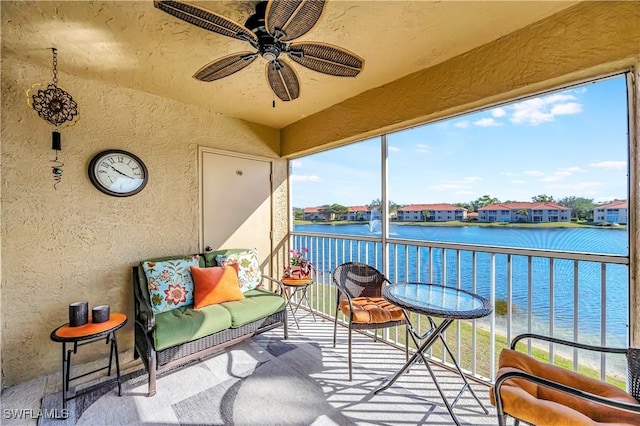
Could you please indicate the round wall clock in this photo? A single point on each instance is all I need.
(118, 173)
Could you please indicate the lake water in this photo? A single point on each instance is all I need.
(587, 240)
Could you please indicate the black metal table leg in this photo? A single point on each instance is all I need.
(304, 297)
(110, 352)
(65, 377)
(114, 343)
(430, 340)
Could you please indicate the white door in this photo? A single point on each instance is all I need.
(236, 203)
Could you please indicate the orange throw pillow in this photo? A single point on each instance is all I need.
(215, 285)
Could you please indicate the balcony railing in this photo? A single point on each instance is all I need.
(579, 296)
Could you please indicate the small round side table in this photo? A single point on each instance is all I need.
(299, 285)
(83, 335)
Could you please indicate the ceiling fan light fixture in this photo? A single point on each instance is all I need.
(270, 52)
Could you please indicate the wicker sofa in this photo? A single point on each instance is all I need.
(173, 339)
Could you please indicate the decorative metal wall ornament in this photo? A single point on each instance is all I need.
(56, 107)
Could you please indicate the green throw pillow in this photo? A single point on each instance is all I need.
(249, 274)
(170, 283)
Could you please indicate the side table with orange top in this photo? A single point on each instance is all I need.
(83, 335)
(299, 285)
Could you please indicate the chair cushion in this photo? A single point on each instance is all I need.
(541, 405)
(372, 310)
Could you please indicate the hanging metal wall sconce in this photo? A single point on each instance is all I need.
(57, 107)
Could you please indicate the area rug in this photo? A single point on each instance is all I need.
(262, 381)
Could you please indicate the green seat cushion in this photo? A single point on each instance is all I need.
(185, 324)
(258, 303)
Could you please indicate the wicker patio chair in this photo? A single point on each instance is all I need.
(359, 298)
(543, 394)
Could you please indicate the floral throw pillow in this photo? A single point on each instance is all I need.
(249, 274)
(170, 283)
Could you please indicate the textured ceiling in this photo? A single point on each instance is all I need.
(135, 45)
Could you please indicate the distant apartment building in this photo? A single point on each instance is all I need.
(616, 211)
(431, 213)
(361, 213)
(317, 213)
(524, 212)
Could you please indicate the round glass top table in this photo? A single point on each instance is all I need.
(435, 300)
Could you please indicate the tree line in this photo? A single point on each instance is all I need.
(581, 208)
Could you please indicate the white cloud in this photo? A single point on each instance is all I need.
(518, 182)
(462, 124)
(393, 148)
(533, 173)
(296, 164)
(554, 177)
(498, 112)
(566, 109)
(422, 148)
(614, 165)
(572, 169)
(305, 178)
(561, 173)
(508, 174)
(487, 122)
(541, 110)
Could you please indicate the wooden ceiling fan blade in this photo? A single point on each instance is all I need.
(225, 66)
(326, 59)
(205, 19)
(283, 80)
(294, 18)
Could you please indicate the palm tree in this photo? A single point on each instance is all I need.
(522, 213)
(426, 215)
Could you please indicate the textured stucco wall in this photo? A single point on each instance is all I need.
(584, 41)
(75, 243)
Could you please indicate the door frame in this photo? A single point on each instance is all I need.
(206, 150)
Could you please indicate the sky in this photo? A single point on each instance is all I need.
(565, 143)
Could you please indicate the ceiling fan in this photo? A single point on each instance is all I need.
(270, 31)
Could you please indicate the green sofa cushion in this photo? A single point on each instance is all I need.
(184, 324)
(258, 303)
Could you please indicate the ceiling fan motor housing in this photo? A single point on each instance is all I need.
(268, 46)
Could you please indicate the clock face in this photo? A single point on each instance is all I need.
(118, 173)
